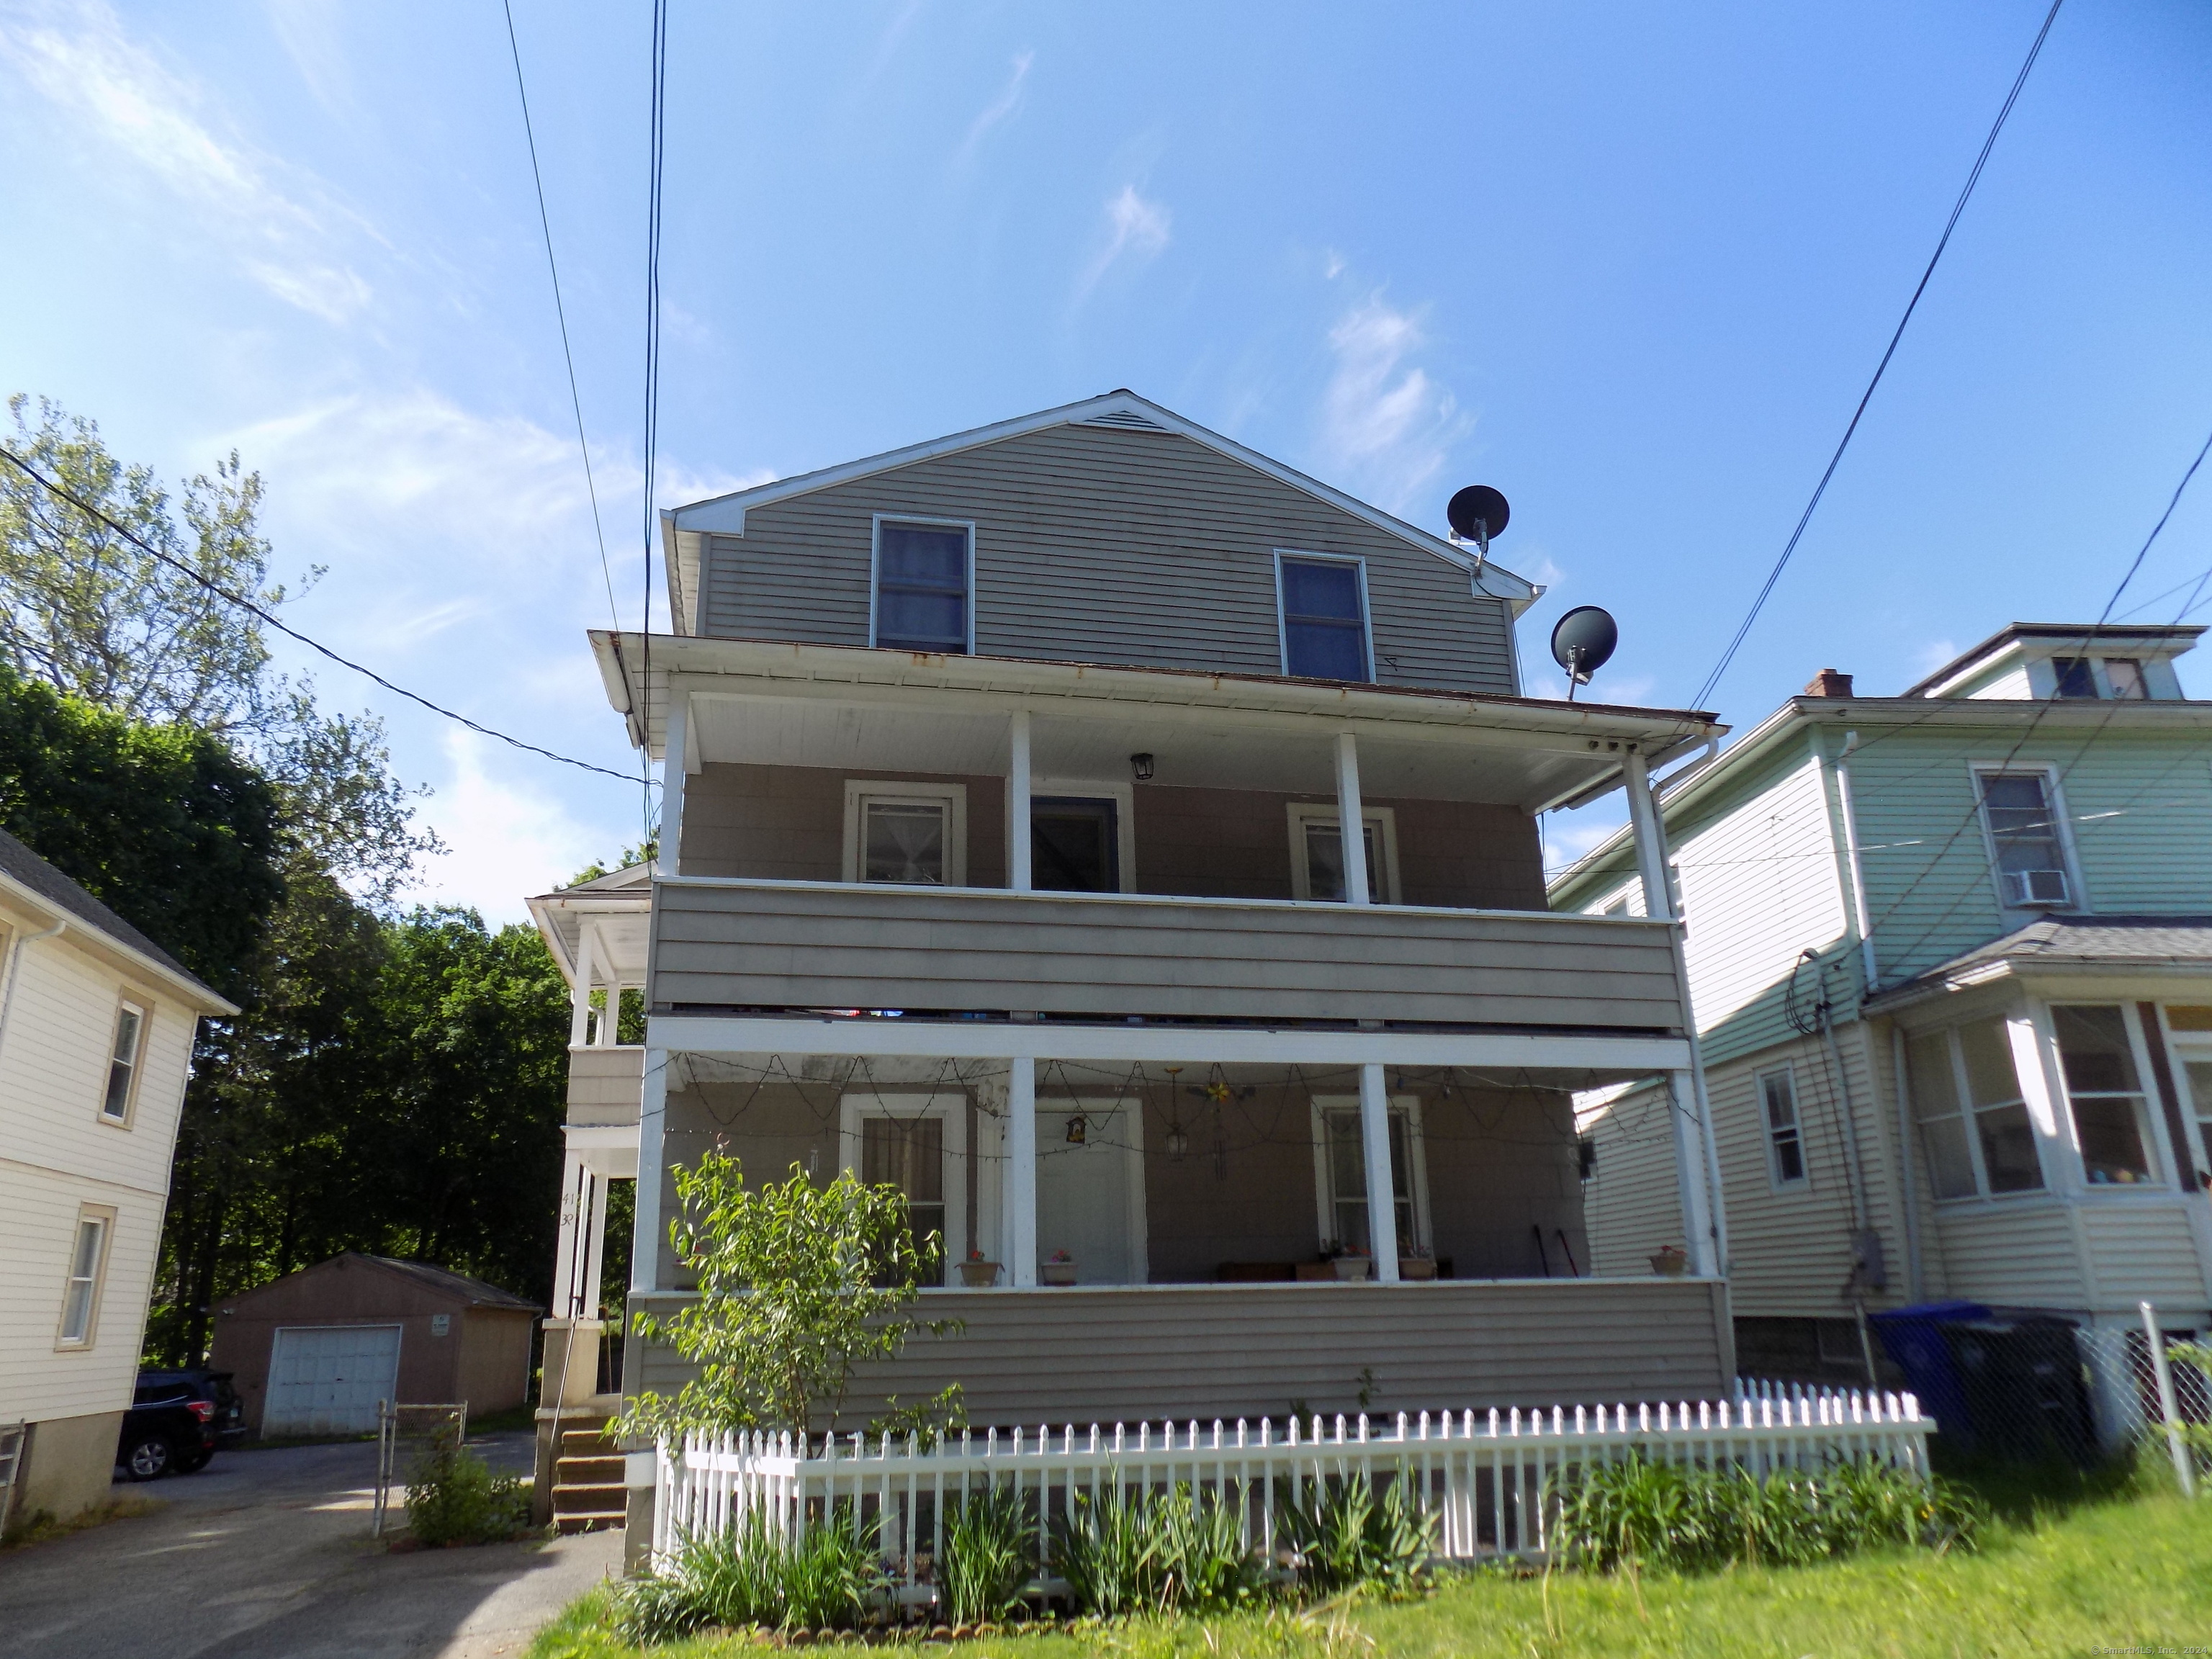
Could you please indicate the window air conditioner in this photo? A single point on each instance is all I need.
(2025, 887)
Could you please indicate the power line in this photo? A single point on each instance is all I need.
(576, 399)
(1712, 680)
(249, 606)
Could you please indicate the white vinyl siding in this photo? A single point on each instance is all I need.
(1631, 1204)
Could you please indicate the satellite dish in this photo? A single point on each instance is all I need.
(1477, 514)
(1582, 642)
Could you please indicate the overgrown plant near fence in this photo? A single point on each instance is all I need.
(756, 1575)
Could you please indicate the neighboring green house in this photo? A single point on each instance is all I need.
(1951, 958)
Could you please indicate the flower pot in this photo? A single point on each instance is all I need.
(1354, 1267)
(1057, 1273)
(1670, 1263)
(1416, 1266)
(979, 1275)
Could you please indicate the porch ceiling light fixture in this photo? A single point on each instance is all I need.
(1078, 1129)
(1141, 768)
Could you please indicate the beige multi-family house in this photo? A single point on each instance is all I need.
(96, 1030)
(1951, 956)
(1004, 788)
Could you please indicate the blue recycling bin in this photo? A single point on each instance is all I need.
(1914, 1340)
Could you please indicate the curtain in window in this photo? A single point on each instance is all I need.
(905, 842)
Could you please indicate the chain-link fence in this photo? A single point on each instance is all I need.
(405, 1435)
(2023, 1387)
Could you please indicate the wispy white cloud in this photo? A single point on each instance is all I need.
(509, 838)
(282, 227)
(1569, 836)
(1136, 229)
(1934, 655)
(1008, 100)
(1386, 426)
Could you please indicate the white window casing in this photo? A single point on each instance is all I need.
(1363, 631)
(966, 630)
(1382, 826)
(87, 1270)
(1786, 1166)
(1981, 1128)
(1335, 1122)
(2027, 838)
(2108, 1107)
(126, 1052)
(895, 820)
(946, 1112)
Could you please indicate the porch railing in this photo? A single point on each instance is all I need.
(1484, 1475)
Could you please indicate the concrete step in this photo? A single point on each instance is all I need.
(588, 1472)
(593, 1522)
(590, 1500)
(586, 1443)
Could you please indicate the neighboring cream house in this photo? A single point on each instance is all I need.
(1951, 956)
(96, 1029)
(1001, 859)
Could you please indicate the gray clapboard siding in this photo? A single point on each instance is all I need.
(603, 1084)
(1098, 545)
(2142, 1249)
(838, 945)
(2020, 1252)
(1112, 1354)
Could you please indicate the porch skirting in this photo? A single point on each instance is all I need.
(1115, 1352)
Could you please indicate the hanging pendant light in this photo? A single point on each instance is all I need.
(1178, 1142)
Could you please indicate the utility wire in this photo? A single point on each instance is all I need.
(1712, 680)
(228, 598)
(576, 399)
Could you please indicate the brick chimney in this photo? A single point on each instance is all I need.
(1829, 684)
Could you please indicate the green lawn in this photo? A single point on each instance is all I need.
(2117, 1573)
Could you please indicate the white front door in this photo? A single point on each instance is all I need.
(326, 1379)
(1091, 1192)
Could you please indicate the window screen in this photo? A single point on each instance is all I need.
(921, 587)
(1324, 625)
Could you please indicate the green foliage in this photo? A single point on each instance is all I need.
(990, 1550)
(1345, 1533)
(1159, 1552)
(930, 1421)
(1637, 1513)
(753, 1575)
(1207, 1565)
(797, 1285)
(453, 1498)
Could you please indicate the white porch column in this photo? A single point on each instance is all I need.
(1382, 1191)
(675, 740)
(1020, 875)
(595, 1243)
(652, 1120)
(579, 993)
(1021, 1173)
(571, 1262)
(1352, 828)
(1697, 1154)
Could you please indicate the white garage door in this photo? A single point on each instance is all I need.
(326, 1379)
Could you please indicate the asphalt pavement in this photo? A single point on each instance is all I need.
(266, 1555)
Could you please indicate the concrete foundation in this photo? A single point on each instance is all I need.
(68, 1466)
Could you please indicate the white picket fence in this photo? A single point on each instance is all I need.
(1484, 1474)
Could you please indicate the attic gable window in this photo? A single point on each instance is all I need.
(1324, 616)
(2074, 676)
(924, 578)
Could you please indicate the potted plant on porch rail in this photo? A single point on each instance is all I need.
(1349, 1263)
(979, 1271)
(1419, 1262)
(1058, 1268)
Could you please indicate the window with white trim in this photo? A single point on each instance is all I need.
(2112, 1118)
(924, 575)
(2125, 676)
(1343, 1179)
(1785, 1138)
(2020, 815)
(1324, 617)
(917, 1142)
(123, 1057)
(87, 1263)
(1317, 853)
(1974, 1126)
(912, 834)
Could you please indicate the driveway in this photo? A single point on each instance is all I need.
(266, 1555)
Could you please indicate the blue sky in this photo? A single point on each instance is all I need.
(1631, 264)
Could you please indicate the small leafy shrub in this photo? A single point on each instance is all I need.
(1637, 1513)
(752, 1575)
(453, 1498)
(1345, 1533)
(989, 1554)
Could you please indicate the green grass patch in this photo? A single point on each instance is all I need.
(2104, 1571)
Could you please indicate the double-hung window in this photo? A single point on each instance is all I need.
(908, 1153)
(1324, 617)
(2111, 1121)
(2192, 1033)
(123, 1063)
(1317, 853)
(915, 834)
(81, 1291)
(1974, 1126)
(1344, 1180)
(2020, 812)
(1785, 1138)
(924, 586)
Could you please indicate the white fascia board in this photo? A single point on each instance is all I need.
(725, 515)
(85, 935)
(1240, 1045)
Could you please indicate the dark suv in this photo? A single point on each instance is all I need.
(176, 1421)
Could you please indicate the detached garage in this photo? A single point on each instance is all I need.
(312, 1352)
